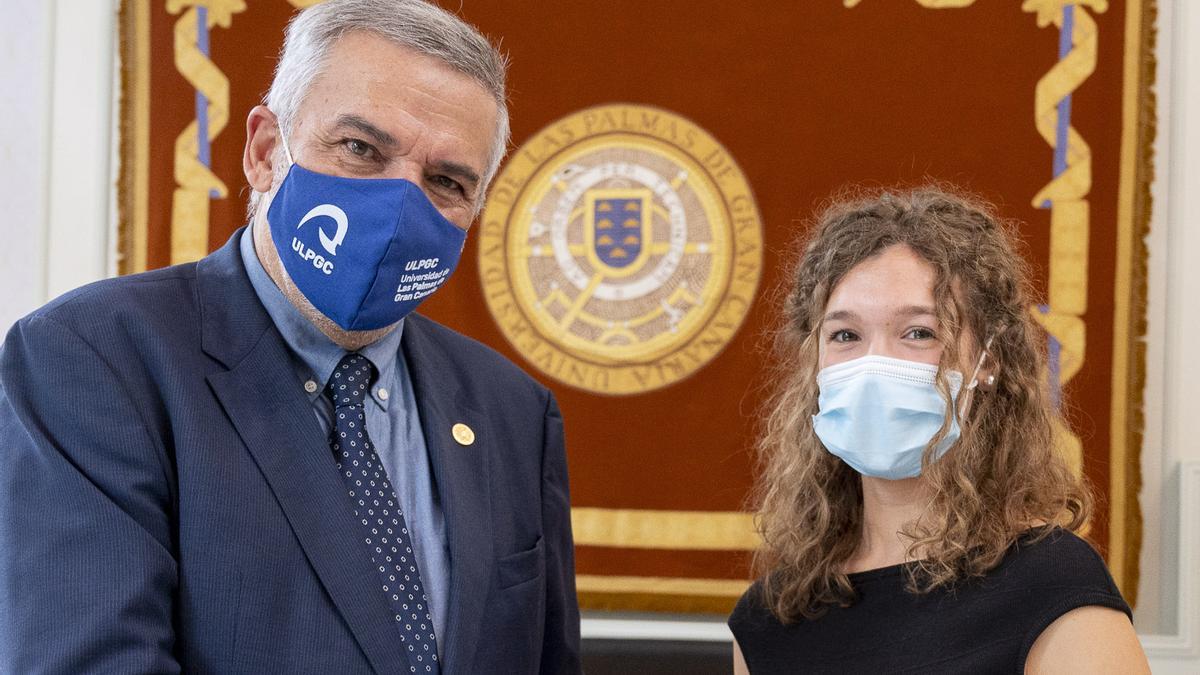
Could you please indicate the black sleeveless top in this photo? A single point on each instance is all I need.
(982, 625)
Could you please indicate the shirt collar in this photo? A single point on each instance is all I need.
(317, 353)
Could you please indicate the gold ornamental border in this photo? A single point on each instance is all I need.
(662, 530)
(1130, 292)
(133, 179)
(628, 528)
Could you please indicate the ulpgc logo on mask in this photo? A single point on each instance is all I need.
(330, 244)
(621, 249)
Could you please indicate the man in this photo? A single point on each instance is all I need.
(262, 462)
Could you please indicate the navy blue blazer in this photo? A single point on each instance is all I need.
(168, 500)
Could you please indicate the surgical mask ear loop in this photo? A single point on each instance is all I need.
(975, 376)
(979, 364)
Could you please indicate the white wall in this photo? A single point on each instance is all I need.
(25, 49)
(1169, 605)
(57, 103)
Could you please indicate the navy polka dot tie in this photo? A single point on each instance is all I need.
(378, 512)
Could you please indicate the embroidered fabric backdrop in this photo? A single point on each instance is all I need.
(1041, 106)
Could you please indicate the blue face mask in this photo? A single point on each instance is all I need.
(364, 251)
(878, 414)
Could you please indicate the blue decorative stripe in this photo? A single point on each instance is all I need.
(203, 151)
(1053, 364)
(1063, 120)
(1064, 106)
(1061, 141)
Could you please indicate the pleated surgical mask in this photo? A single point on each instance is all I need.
(878, 414)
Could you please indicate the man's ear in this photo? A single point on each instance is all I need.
(262, 135)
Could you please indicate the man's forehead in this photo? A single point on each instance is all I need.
(369, 60)
(398, 97)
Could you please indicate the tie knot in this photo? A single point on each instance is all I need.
(350, 380)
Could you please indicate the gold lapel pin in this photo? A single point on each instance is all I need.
(463, 434)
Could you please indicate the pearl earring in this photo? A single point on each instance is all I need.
(991, 380)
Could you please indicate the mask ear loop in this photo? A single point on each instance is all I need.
(283, 140)
(975, 375)
(979, 364)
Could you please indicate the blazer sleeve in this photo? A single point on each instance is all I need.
(86, 570)
(560, 646)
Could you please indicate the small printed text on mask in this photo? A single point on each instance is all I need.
(418, 286)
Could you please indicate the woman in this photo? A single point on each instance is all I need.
(914, 513)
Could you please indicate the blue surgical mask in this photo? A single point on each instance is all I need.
(878, 414)
(364, 251)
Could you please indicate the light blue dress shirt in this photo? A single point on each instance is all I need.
(392, 423)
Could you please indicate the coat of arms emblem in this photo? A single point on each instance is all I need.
(620, 249)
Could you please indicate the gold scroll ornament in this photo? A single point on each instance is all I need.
(1067, 195)
(197, 184)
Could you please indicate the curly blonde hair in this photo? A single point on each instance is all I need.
(1002, 475)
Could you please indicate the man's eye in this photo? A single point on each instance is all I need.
(359, 148)
(446, 183)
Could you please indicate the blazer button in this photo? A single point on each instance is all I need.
(463, 434)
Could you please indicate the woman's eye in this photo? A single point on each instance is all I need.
(842, 335)
(920, 334)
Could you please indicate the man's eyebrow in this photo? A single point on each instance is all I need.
(378, 136)
(463, 173)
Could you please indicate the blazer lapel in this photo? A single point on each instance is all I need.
(462, 476)
(278, 426)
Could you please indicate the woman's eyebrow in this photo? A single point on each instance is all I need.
(840, 315)
(914, 310)
(903, 313)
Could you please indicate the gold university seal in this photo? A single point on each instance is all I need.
(620, 249)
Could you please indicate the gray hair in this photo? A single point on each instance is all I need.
(414, 24)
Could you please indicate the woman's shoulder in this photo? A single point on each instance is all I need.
(753, 617)
(1050, 556)
(1048, 573)
(751, 607)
